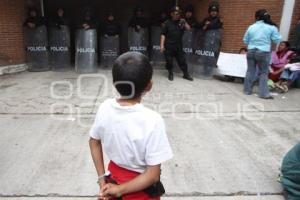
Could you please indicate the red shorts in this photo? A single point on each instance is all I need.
(121, 175)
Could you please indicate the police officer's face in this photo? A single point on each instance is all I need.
(33, 13)
(214, 13)
(111, 18)
(175, 15)
(188, 14)
(60, 12)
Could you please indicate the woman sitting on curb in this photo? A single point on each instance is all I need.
(280, 58)
(290, 74)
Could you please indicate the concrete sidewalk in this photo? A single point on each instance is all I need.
(226, 145)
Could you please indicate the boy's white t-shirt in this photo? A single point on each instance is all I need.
(133, 137)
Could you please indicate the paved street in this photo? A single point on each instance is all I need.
(227, 146)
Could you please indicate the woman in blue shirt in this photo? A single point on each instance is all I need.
(259, 38)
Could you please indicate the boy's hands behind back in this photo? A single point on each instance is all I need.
(109, 191)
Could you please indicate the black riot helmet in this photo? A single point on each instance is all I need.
(214, 7)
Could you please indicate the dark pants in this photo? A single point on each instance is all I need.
(177, 53)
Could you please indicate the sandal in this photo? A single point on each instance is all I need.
(280, 87)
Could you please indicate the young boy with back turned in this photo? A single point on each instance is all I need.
(132, 136)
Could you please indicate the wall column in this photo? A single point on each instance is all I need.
(286, 19)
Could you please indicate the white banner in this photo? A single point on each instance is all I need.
(232, 64)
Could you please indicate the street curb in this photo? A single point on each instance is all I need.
(12, 69)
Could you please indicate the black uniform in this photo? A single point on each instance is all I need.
(38, 21)
(160, 20)
(138, 21)
(111, 28)
(89, 19)
(91, 22)
(173, 31)
(58, 21)
(191, 21)
(215, 23)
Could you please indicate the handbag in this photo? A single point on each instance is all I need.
(155, 190)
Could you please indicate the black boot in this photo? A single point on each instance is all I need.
(171, 76)
(187, 76)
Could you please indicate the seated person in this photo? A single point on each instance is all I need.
(189, 16)
(280, 58)
(111, 27)
(59, 19)
(34, 20)
(290, 173)
(138, 21)
(290, 74)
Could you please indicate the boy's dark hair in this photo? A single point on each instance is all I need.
(132, 72)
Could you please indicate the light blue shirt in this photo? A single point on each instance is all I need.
(261, 35)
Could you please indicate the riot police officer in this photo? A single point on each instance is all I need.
(213, 21)
(59, 19)
(88, 21)
(171, 43)
(189, 16)
(138, 21)
(34, 20)
(111, 27)
(160, 19)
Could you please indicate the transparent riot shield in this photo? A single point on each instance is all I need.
(138, 41)
(109, 50)
(36, 46)
(207, 50)
(187, 42)
(86, 51)
(60, 48)
(157, 57)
